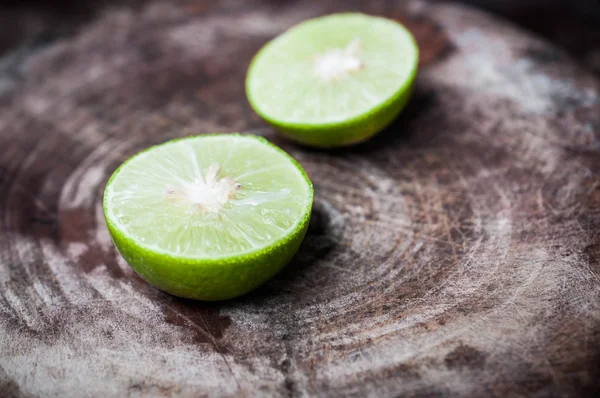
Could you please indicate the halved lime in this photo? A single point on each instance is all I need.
(208, 217)
(334, 80)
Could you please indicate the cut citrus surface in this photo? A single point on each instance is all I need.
(334, 80)
(209, 217)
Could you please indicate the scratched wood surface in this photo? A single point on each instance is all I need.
(456, 254)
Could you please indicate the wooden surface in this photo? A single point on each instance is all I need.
(456, 254)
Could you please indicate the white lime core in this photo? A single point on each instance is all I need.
(337, 63)
(208, 192)
(208, 196)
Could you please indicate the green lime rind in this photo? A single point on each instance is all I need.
(205, 279)
(215, 278)
(350, 131)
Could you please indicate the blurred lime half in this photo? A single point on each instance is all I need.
(334, 80)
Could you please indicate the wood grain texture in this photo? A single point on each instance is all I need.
(456, 254)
